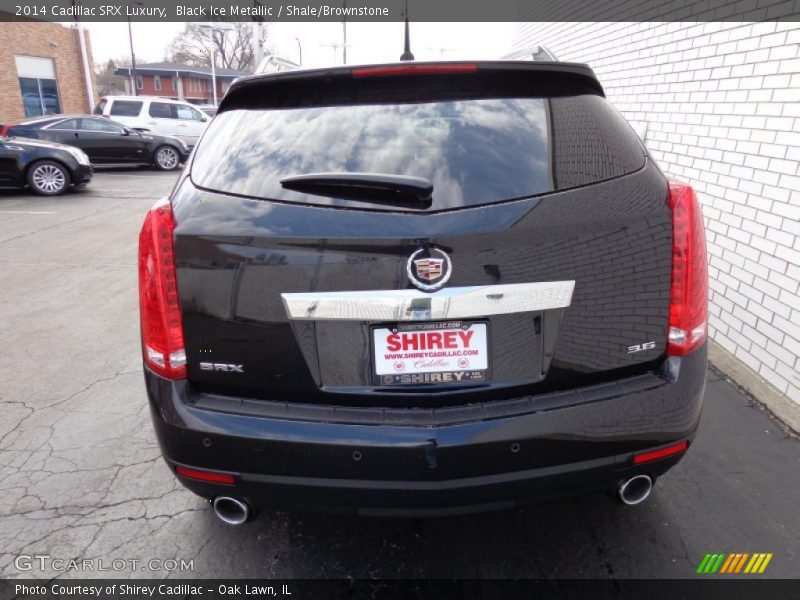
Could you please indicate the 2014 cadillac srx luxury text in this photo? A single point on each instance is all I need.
(422, 289)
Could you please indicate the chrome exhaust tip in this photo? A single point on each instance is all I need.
(231, 510)
(635, 490)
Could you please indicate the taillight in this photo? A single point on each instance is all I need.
(688, 301)
(397, 70)
(162, 329)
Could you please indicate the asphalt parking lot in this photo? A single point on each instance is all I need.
(81, 475)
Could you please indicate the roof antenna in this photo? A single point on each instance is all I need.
(407, 51)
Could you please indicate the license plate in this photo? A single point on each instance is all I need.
(446, 352)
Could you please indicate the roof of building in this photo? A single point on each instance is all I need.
(172, 68)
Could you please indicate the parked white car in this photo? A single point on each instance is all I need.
(159, 115)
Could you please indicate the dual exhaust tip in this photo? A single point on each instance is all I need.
(234, 511)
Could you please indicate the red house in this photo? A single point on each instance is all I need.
(179, 82)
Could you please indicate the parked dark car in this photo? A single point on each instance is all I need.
(105, 141)
(49, 169)
(422, 289)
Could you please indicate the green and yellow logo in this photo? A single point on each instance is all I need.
(741, 562)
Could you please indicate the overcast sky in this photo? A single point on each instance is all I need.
(367, 42)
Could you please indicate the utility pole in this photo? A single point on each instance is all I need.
(222, 29)
(258, 50)
(344, 28)
(132, 71)
(133, 56)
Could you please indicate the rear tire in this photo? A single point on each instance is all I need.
(48, 178)
(166, 158)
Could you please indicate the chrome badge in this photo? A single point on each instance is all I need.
(429, 269)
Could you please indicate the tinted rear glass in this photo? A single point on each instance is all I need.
(125, 108)
(161, 110)
(473, 151)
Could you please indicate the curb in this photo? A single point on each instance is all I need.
(783, 408)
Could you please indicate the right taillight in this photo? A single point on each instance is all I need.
(688, 301)
(162, 326)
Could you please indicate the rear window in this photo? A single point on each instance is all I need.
(473, 151)
(499, 134)
(125, 108)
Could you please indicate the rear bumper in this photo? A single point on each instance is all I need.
(554, 445)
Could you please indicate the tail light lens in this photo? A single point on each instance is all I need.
(162, 329)
(4, 130)
(688, 302)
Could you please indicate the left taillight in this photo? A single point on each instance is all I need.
(159, 309)
(688, 302)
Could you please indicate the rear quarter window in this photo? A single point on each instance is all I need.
(592, 142)
(161, 110)
(125, 108)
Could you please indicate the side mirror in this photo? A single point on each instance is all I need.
(126, 132)
(204, 119)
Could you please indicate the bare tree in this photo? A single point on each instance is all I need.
(108, 82)
(232, 49)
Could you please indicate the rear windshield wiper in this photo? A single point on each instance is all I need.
(400, 190)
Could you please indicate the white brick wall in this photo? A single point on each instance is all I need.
(721, 102)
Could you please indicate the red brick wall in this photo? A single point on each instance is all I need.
(44, 40)
(200, 90)
(149, 88)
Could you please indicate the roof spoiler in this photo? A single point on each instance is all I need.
(548, 74)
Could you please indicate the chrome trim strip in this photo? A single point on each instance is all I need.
(415, 305)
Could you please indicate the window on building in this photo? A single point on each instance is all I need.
(37, 83)
(125, 108)
(209, 86)
(139, 82)
(157, 82)
(174, 84)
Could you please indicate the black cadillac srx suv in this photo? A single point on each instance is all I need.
(420, 289)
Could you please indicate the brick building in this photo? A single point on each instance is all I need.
(179, 82)
(718, 104)
(42, 70)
